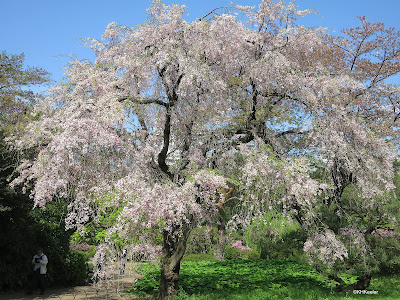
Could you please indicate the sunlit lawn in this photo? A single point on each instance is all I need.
(258, 279)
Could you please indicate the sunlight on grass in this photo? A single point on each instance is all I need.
(258, 279)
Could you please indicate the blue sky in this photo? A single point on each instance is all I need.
(48, 31)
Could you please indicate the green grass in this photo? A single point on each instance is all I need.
(258, 279)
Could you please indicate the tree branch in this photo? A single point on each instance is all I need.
(290, 131)
(162, 156)
(143, 101)
(211, 12)
(357, 52)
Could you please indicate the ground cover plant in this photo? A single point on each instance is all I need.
(259, 279)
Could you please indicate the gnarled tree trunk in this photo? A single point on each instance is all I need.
(362, 283)
(172, 253)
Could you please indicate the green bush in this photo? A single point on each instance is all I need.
(233, 253)
(387, 252)
(75, 267)
(150, 282)
(199, 240)
(289, 245)
(199, 257)
(24, 230)
(92, 251)
(276, 236)
(87, 254)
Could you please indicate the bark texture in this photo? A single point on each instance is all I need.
(172, 254)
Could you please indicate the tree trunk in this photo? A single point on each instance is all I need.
(362, 283)
(172, 254)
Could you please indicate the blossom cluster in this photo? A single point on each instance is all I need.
(384, 233)
(238, 245)
(80, 247)
(325, 247)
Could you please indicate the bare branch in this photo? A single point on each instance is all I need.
(290, 131)
(357, 52)
(212, 12)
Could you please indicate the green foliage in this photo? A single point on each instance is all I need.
(199, 257)
(24, 229)
(75, 268)
(377, 254)
(150, 282)
(94, 232)
(247, 279)
(258, 279)
(233, 253)
(199, 240)
(369, 232)
(276, 236)
(386, 252)
(91, 252)
(387, 286)
(15, 96)
(87, 254)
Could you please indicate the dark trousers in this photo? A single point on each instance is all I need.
(38, 281)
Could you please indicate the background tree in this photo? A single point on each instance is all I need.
(156, 121)
(22, 228)
(15, 81)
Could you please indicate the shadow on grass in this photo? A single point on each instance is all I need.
(224, 278)
(238, 274)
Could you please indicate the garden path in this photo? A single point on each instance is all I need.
(110, 290)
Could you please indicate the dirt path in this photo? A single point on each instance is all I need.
(111, 290)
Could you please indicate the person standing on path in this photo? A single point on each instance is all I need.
(39, 271)
(123, 261)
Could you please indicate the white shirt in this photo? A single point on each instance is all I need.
(42, 265)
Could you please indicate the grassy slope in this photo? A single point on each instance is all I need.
(259, 279)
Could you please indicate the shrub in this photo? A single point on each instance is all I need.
(387, 252)
(289, 245)
(199, 240)
(76, 269)
(150, 282)
(87, 254)
(232, 253)
(276, 236)
(199, 257)
(238, 245)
